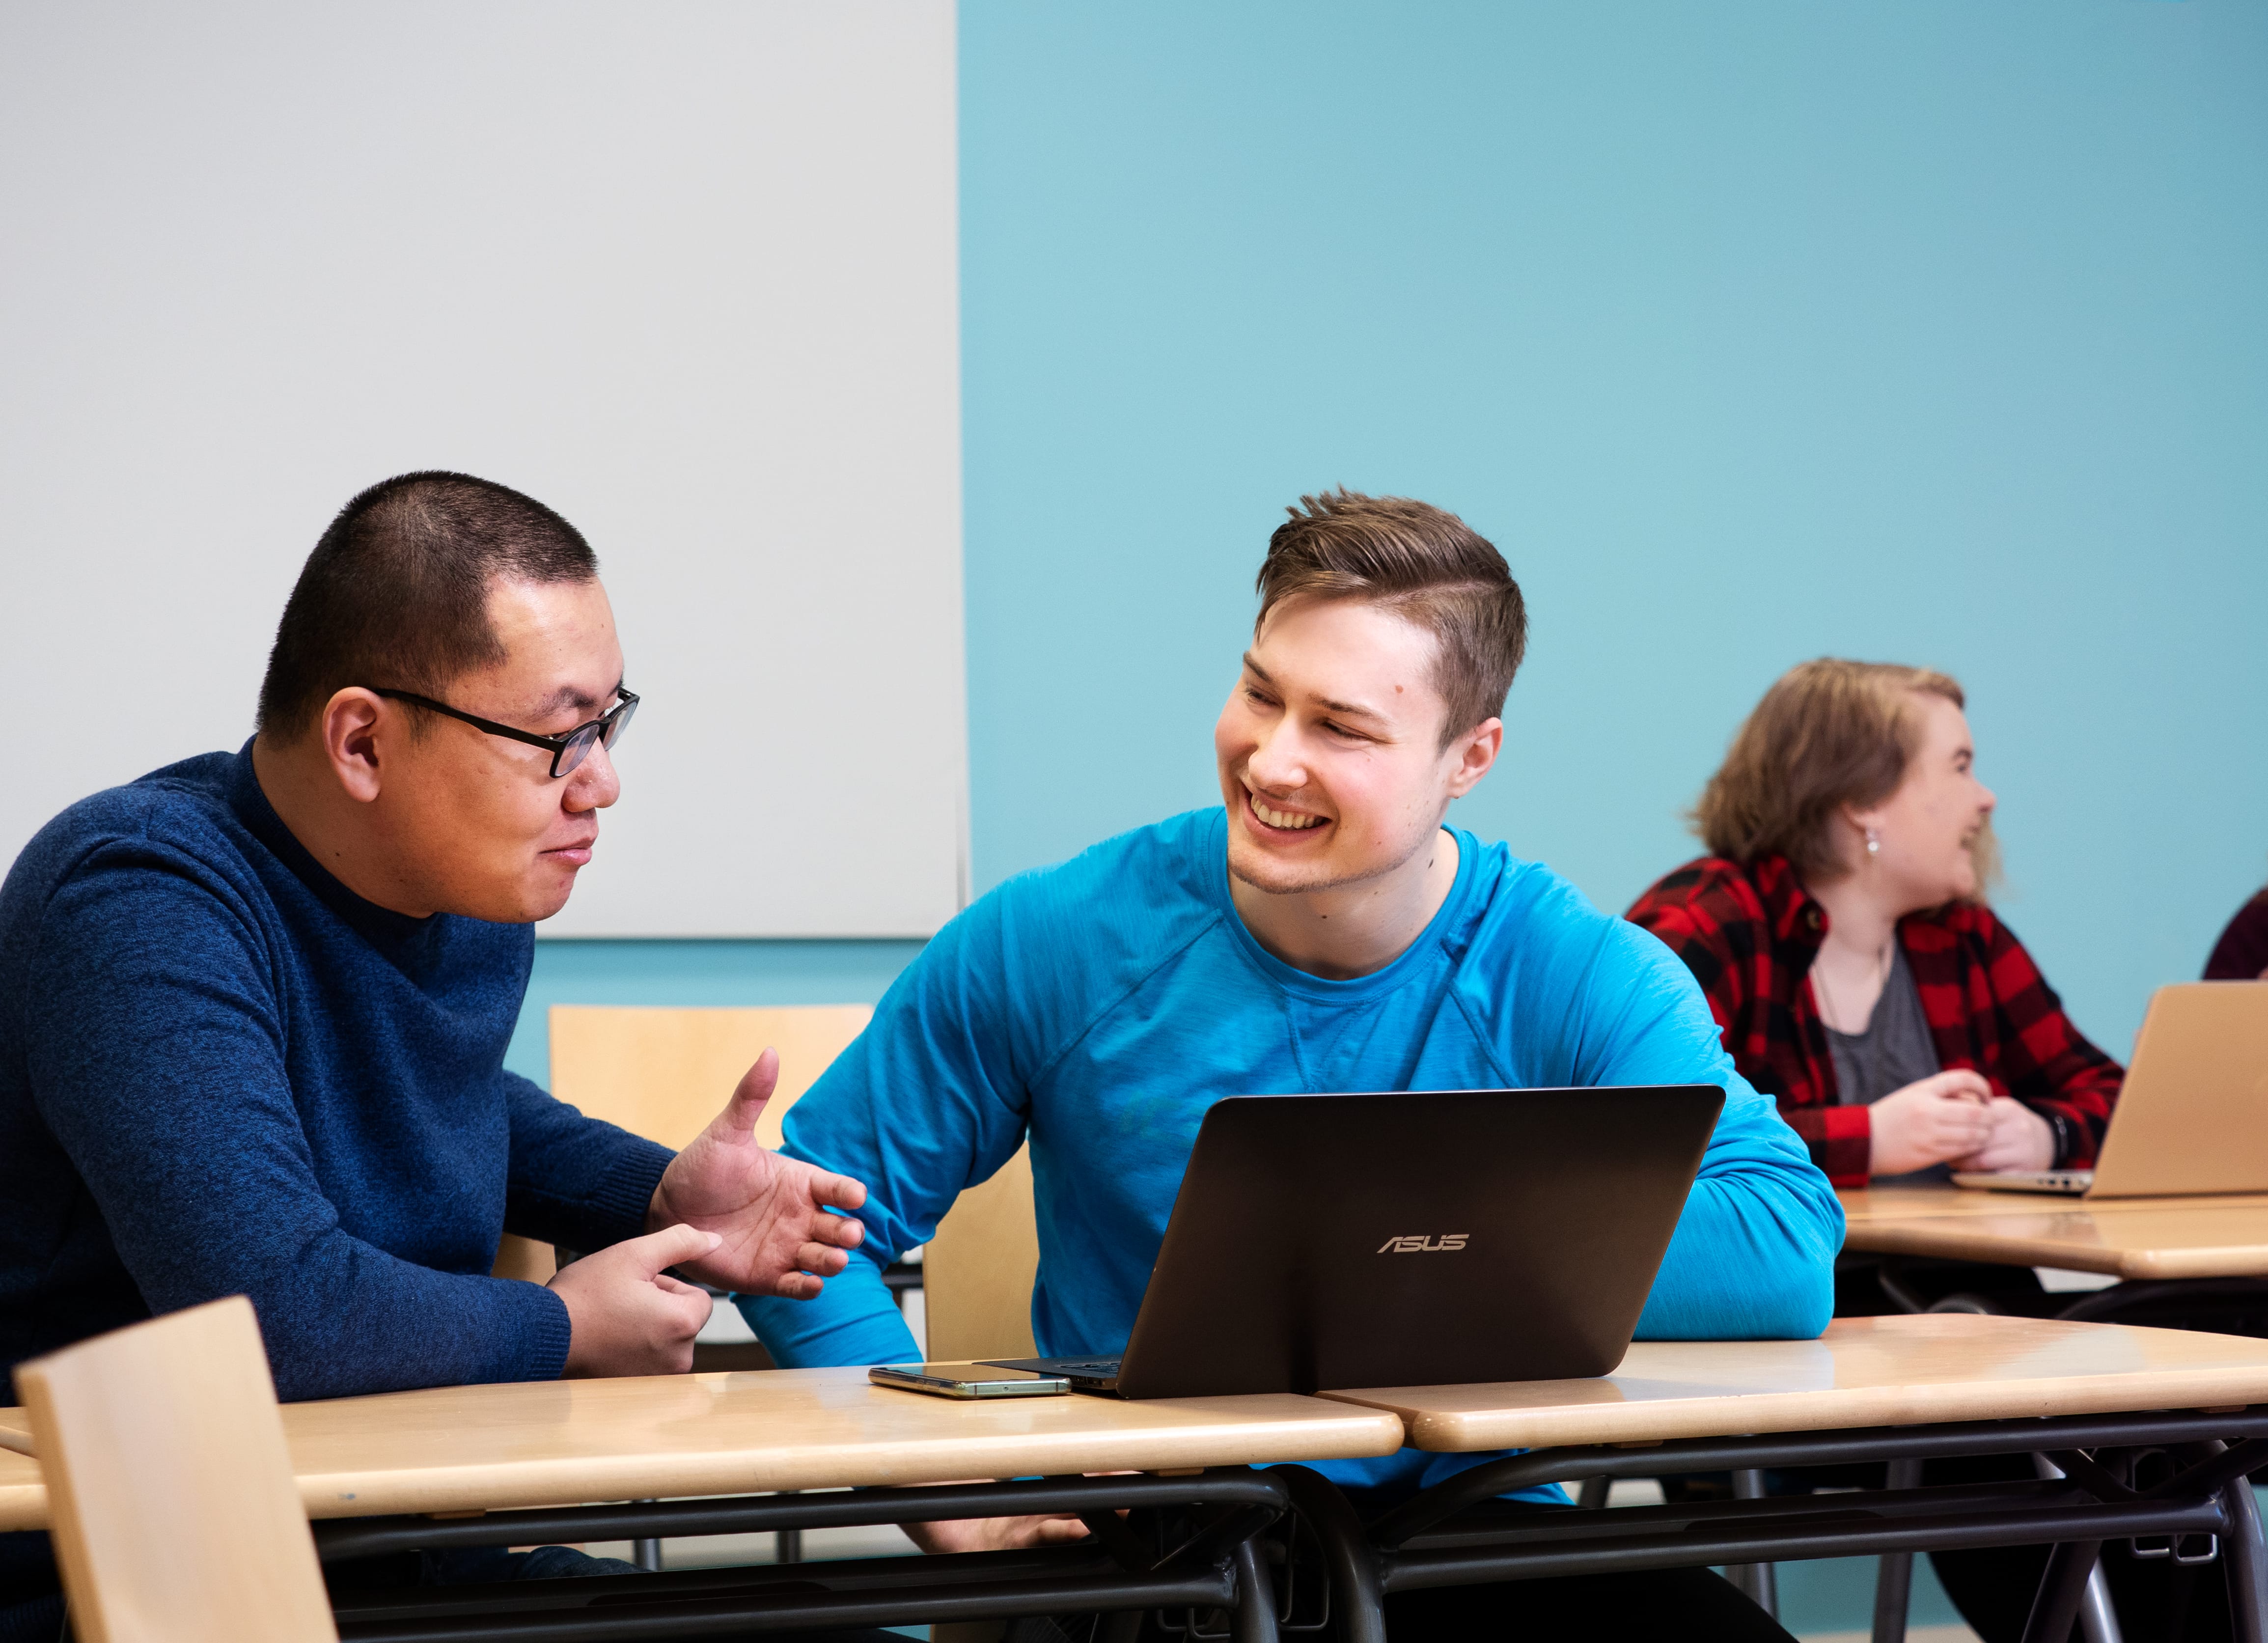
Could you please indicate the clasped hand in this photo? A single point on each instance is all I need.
(729, 1212)
(1954, 1117)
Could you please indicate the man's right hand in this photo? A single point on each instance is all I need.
(995, 1534)
(625, 1314)
(1934, 1119)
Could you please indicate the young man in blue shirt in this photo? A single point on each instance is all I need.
(253, 1010)
(1321, 930)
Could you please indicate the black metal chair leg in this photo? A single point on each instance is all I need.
(2245, 1563)
(1255, 1595)
(2063, 1588)
(1357, 1598)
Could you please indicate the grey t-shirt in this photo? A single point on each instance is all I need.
(1895, 1051)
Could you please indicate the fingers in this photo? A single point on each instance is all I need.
(691, 1312)
(672, 1246)
(750, 1097)
(844, 1231)
(995, 1534)
(1965, 1084)
(1971, 1128)
(840, 1192)
(822, 1259)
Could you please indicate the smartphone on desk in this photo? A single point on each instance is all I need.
(967, 1381)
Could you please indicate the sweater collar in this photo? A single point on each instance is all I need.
(394, 934)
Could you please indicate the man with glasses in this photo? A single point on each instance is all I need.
(254, 1007)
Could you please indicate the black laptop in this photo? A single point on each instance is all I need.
(1415, 1238)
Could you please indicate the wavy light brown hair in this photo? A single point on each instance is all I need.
(1425, 564)
(1828, 733)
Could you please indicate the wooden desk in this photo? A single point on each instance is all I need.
(557, 1442)
(1869, 1204)
(1864, 1372)
(2129, 1238)
(546, 1445)
(1900, 1390)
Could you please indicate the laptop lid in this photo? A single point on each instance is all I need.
(1415, 1238)
(2192, 1116)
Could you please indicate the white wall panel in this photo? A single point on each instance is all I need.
(684, 272)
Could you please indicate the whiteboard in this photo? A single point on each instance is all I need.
(686, 273)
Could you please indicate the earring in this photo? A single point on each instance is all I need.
(1874, 844)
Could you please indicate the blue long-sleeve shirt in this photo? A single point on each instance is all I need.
(222, 1072)
(1101, 1006)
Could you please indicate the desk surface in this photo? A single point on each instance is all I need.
(1881, 1203)
(1864, 1372)
(465, 1448)
(2132, 1238)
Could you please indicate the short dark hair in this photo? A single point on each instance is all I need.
(395, 594)
(1425, 564)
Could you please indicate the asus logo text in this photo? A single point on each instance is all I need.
(1418, 1243)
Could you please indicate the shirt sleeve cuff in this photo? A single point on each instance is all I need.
(619, 1203)
(548, 1340)
(1845, 1149)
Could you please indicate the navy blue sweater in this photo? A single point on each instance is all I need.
(222, 1072)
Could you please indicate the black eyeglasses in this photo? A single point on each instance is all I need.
(569, 749)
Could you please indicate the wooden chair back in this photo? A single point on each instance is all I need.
(665, 1073)
(978, 1271)
(170, 1490)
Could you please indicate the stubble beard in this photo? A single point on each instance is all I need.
(1326, 879)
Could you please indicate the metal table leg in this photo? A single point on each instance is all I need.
(1757, 1580)
(1255, 1595)
(2063, 1591)
(646, 1553)
(2098, 1621)
(1894, 1570)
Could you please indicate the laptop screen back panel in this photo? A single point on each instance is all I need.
(2193, 1116)
(1399, 1240)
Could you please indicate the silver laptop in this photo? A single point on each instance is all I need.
(2193, 1115)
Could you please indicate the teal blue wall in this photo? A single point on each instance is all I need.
(1930, 331)
(1750, 331)
(701, 973)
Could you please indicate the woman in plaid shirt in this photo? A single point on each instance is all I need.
(1836, 927)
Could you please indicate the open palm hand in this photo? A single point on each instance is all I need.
(771, 1212)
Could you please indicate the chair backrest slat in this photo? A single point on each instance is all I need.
(978, 1271)
(170, 1488)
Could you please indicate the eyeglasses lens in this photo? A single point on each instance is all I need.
(608, 730)
(575, 752)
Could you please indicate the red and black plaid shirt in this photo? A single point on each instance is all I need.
(1750, 934)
